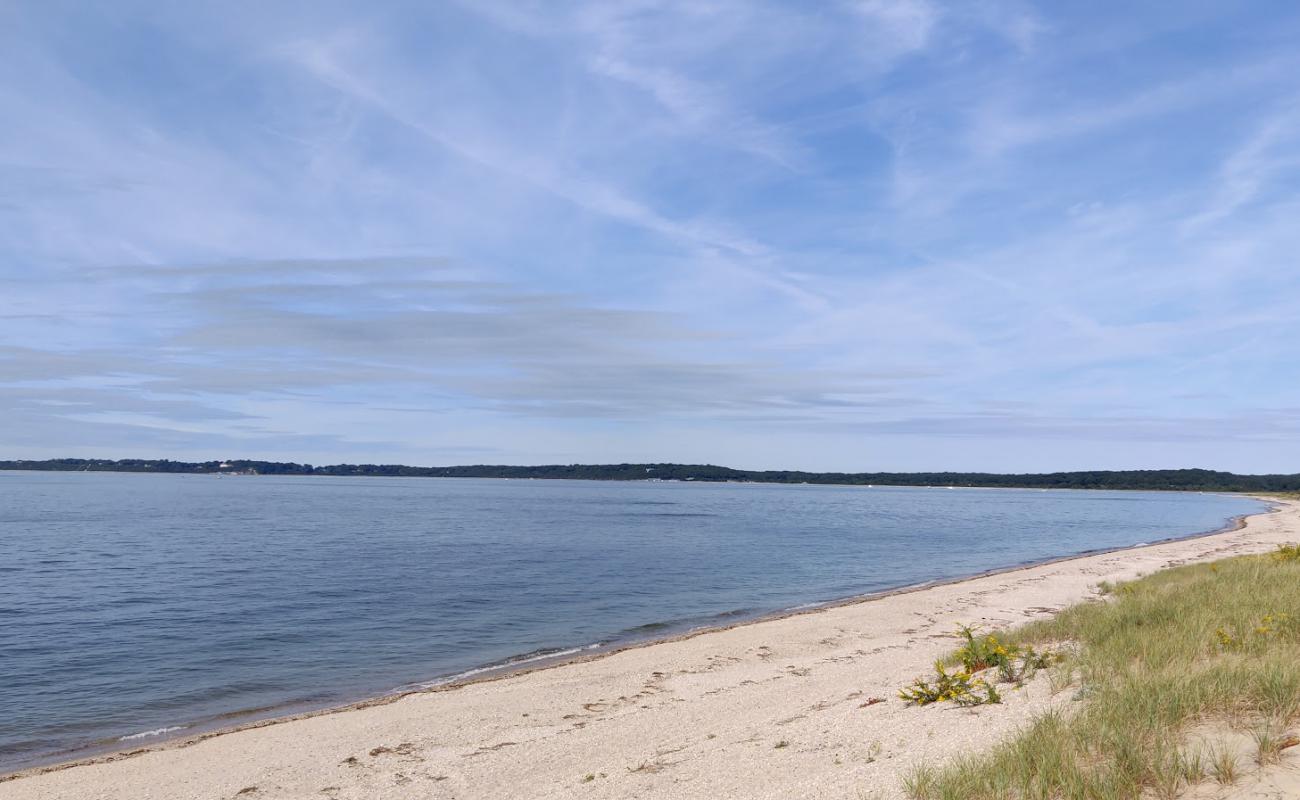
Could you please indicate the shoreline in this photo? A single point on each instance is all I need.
(1257, 492)
(118, 750)
(635, 473)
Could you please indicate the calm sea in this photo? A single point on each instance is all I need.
(133, 607)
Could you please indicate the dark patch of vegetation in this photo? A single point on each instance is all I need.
(1155, 480)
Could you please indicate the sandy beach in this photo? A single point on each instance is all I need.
(803, 706)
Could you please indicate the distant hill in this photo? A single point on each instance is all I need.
(1158, 479)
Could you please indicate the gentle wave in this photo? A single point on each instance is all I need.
(692, 623)
(806, 606)
(529, 658)
(152, 733)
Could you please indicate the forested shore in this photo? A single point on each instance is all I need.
(1159, 480)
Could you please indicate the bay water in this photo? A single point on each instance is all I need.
(138, 606)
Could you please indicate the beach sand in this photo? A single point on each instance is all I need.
(783, 708)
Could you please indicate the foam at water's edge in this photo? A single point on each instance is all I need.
(152, 733)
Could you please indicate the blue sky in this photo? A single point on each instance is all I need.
(879, 234)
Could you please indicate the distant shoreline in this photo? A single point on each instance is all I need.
(1139, 480)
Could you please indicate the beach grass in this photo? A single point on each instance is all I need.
(1154, 665)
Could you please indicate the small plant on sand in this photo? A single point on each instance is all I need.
(1015, 663)
(1270, 740)
(1268, 745)
(959, 688)
(921, 781)
(979, 652)
(1287, 552)
(1175, 771)
(1223, 765)
(873, 752)
(1061, 676)
(1029, 663)
(982, 652)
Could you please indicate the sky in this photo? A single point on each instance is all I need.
(845, 235)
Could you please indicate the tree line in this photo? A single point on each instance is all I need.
(1157, 479)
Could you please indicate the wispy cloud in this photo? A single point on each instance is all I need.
(745, 255)
(1270, 155)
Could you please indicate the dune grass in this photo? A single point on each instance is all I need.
(1204, 645)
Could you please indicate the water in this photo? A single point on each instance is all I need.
(137, 606)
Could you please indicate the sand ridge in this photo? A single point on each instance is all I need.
(803, 706)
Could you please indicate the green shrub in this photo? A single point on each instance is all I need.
(960, 688)
(1013, 664)
(1287, 552)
